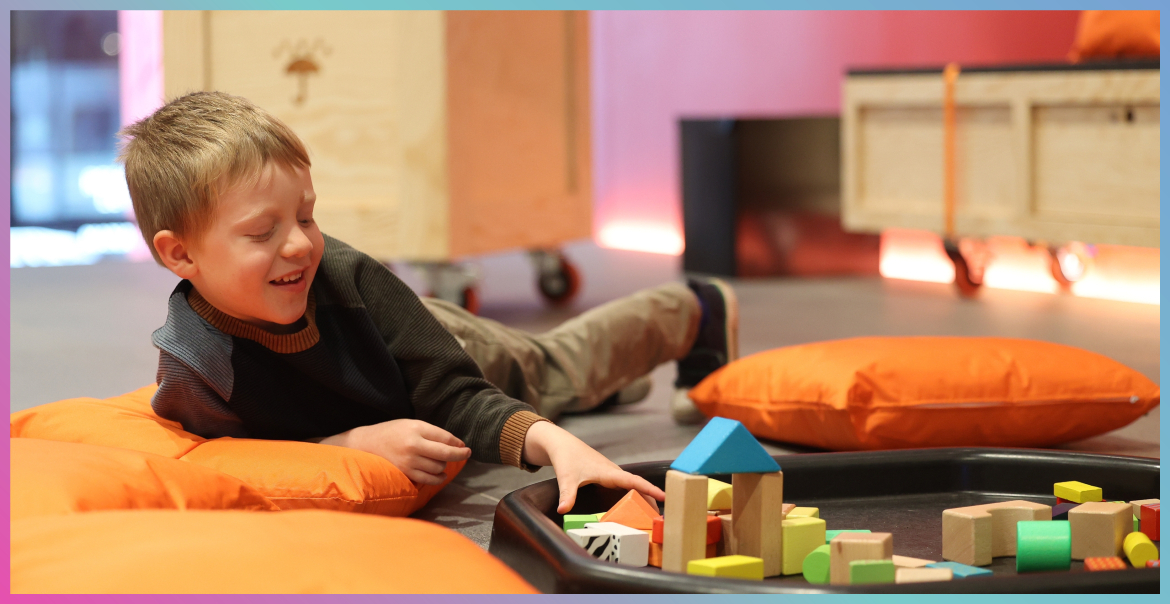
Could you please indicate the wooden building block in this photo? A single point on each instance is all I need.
(1153, 564)
(724, 446)
(1151, 518)
(960, 571)
(801, 535)
(712, 550)
(974, 535)
(922, 575)
(655, 556)
(1043, 545)
(786, 509)
(718, 495)
(758, 528)
(1060, 501)
(1105, 563)
(1098, 528)
(804, 512)
(862, 572)
(633, 511)
(816, 565)
(829, 535)
(1138, 503)
(598, 543)
(1060, 510)
(576, 521)
(714, 530)
(726, 545)
(1138, 549)
(735, 566)
(684, 532)
(633, 545)
(908, 562)
(1076, 492)
(656, 530)
(848, 547)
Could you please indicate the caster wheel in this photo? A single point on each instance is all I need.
(470, 300)
(559, 285)
(967, 281)
(1068, 264)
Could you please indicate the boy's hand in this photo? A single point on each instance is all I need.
(576, 464)
(419, 449)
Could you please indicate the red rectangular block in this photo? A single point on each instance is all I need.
(1104, 563)
(1153, 564)
(656, 530)
(714, 530)
(1151, 520)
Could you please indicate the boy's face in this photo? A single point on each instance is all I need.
(258, 258)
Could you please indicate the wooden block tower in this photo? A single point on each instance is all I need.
(725, 447)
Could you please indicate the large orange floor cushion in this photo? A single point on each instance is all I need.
(52, 478)
(293, 475)
(903, 392)
(312, 551)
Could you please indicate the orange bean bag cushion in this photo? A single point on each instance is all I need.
(904, 392)
(1108, 34)
(52, 478)
(311, 551)
(294, 475)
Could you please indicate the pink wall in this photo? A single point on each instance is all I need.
(652, 68)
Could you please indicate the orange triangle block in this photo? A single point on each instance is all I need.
(632, 511)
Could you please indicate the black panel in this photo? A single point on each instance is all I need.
(709, 191)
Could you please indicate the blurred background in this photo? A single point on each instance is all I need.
(532, 165)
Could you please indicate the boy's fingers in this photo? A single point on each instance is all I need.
(429, 466)
(420, 477)
(443, 452)
(434, 433)
(626, 480)
(568, 496)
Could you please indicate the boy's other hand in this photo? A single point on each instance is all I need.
(419, 449)
(576, 464)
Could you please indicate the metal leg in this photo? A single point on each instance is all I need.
(455, 283)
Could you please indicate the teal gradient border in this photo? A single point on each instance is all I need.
(5, 282)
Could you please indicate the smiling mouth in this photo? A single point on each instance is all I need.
(289, 279)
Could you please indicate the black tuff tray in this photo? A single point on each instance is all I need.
(900, 492)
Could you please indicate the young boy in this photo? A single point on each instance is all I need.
(278, 331)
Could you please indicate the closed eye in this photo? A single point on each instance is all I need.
(264, 236)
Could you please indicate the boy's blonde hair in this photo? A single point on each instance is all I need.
(194, 148)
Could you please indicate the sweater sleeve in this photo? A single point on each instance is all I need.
(184, 397)
(445, 385)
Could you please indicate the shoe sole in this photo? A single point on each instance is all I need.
(731, 322)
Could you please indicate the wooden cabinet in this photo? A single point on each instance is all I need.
(433, 135)
(1060, 153)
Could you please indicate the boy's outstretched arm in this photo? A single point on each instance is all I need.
(576, 464)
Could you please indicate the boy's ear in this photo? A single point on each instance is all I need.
(175, 256)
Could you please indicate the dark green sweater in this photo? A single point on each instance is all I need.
(369, 352)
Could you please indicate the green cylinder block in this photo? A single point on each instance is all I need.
(816, 566)
(1043, 545)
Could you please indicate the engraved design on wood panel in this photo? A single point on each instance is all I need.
(302, 63)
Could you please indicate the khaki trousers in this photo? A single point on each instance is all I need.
(577, 365)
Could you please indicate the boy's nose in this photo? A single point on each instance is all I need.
(298, 244)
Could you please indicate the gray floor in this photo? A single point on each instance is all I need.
(85, 331)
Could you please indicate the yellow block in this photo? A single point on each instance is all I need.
(739, 567)
(718, 495)
(801, 535)
(1076, 492)
(1138, 548)
(804, 513)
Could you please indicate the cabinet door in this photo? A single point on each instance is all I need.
(518, 103)
(363, 90)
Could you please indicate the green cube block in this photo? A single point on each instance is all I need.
(576, 521)
(830, 534)
(862, 572)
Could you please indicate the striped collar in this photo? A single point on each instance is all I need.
(298, 341)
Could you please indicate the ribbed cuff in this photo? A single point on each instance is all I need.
(512, 439)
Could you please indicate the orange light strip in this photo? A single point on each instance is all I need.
(1127, 274)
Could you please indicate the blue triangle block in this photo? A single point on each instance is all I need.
(724, 446)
